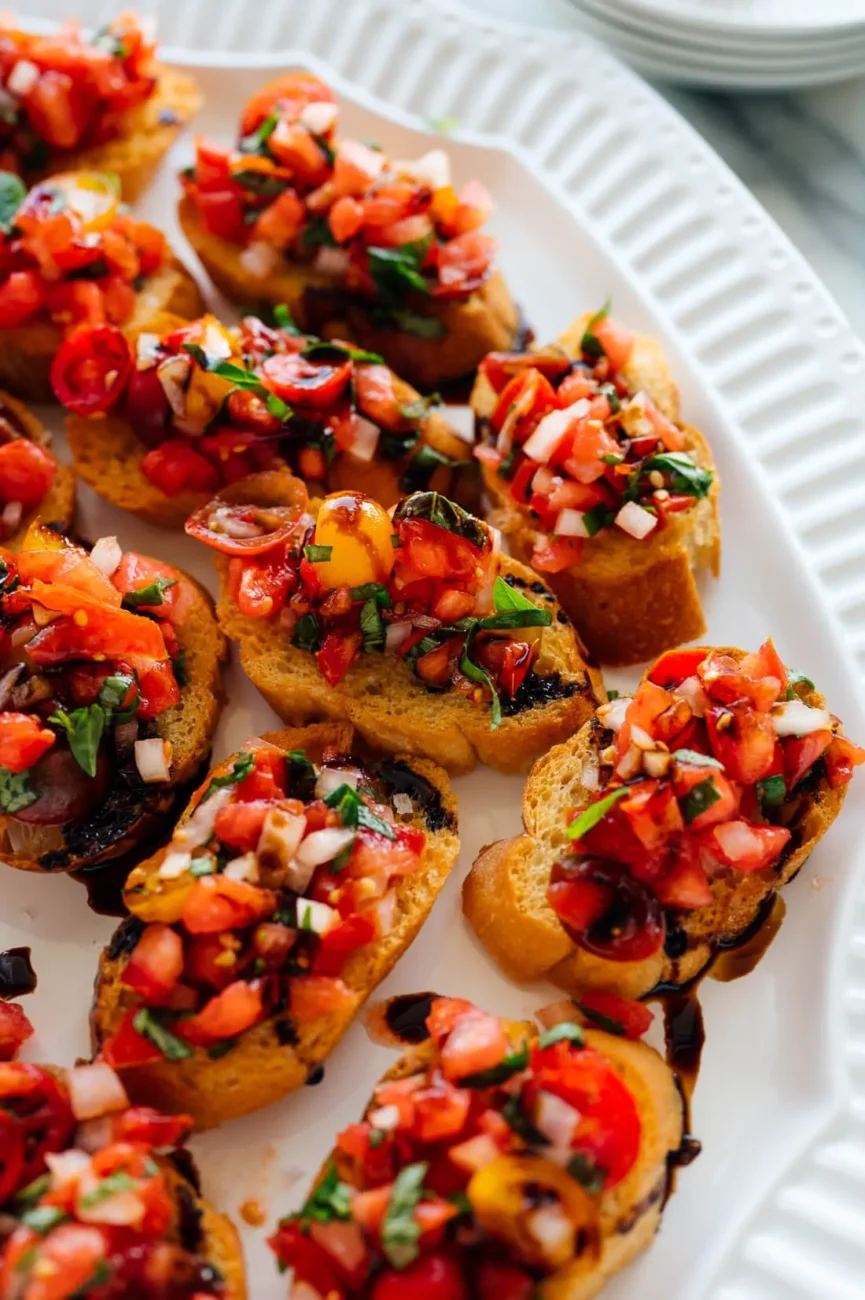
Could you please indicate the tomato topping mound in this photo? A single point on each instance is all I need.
(89, 1206)
(480, 1175)
(64, 92)
(87, 663)
(581, 451)
(70, 256)
(396, 231)
(700, 781)
(284, 869)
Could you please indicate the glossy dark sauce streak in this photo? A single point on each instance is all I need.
(17, 976)
(405, 1016)
(401, 778)
(733, 960)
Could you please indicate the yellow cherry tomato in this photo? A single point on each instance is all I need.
(92, 196)
(359, 533)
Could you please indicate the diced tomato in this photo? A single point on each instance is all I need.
(345, 938)
(26, 472)
(579, 903)
(311, 996)
(138, 571)
(652, 813)
(56, 1266)
(555, 554)
(464, 263)
(239, 824)
(842, 757)
(477, 1042)
(742, 739)
(684, 886)
(206, 961)
(444, 1015)
(355, 167)
(432, 1277)
(631, 1018)
(616, 340)
(156, 964)
(217, 903)
(90, 370)
(688, 775)
(504, 1282)
(589, 444)
(175, 467)
(15, 1029)
(440, 1111)
(524, 400)
(236, 1009)
(127, 1046)
(336, 656)
(724, 679)
(802, 752)
(765, 662)
(141, 1125)
(23, 741)
(748, 848)
(675, 666)
(22, 293)
(287, 95)
(281, 222)
(222, 213)
(295, 1249)
(345, 219)
(266, 779)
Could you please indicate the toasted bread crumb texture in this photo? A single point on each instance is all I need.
(261, 1068)
(486, 322)
(392, 710)
(629, 599)
(504, 895)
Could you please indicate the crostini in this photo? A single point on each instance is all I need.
(71, 256)
(109, 693)
(493, 1162)
(664, 827)
(294, 882)
(98, 1198)
(100, 103)
(412, 625)
(354, 243)
(186, 410)
(32, 480)
(600, 487)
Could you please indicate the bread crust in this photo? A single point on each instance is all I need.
(220, 1241)
(630, 1213)
(134, 154)
(262, 1067)
(504, 895)
(189, 727)
(26, 353)
(393, 710)
(485, 322)
(630, 599)
(58, 505)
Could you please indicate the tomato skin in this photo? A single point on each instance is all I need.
(137, 571)
(15, 1029)
(432, 1277)
(555, 554)
(675, 666)
(260, 529)
(305, 383)
(579, 903)
(175, 467)
(311, 996)
(26, 472)
(239, 824)
(746, 746)
(476, 1042)
(616, 340)
(336, 656)
(22, 294)
(354, 932)
(236, 1009)
(635, 1018)
(802, 752)
(217, 903)
(842, 757)
(90, 370)
(127, 1047)
(39, 1109)
(295, 1249)
(504, 1282)
(156, 964)
(145, 1126)
(222, 214)
(22, 741)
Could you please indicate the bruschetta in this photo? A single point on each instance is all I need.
(32, 481)
(494, 1162)
(159, 425)
(98, 103)
(665, 826)
(295, 880)
(410, 625)
(600, 487)
(109, 693)
(356, 244)
(98, 1198)
(72, 256)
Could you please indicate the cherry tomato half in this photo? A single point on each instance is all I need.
(626, 922)
(247, 530)
(90, 369)
(305, 383)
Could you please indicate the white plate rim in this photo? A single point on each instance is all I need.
(794, 16)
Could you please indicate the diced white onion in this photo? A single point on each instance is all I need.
(259, 259)
(544, 479)
(796, 718)
(395, 635)
(315, 916)
(199, 828)
(635, 521)
(94, 1134)
(551, 1228)
(691, 691)
(216, 342)
(550, 430)
(403, 804)
(657, 762)
(106, 555)
(385, 1118)
(278, 842)
(590, 776)
(634, 419)
(366, 436)
(630, 763)
(65, 1166)
(12, 515)
(244, 867)
(555, 1119)
(22, 78)
(172, 375)
(571, 523)
(612, 714)
(642, 739)
(95, 1090)
(41, 616)
(153, 759)
(331, 261)
(222, 519)
(319, 118)
(124, 1209)
(476, 1153)
(323, 846)
(146, 351)
(737, 839)
(433, 169)
(384, 912)
(174, 865)
(331, 778)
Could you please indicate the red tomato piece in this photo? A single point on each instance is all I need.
(22, 294)
(555, 554)
(579, 903)
(127, 1046)
(432, 1277)
(135, 572)
(464, 263)
(156, 964)
(141, 1125)
(675, 666)
(477, 1042)
(337, 654)
(305, 383)
(440, 1111)
(742, 739)
(217, 903)
(26, 472)
(311, 996)
(175, 467)
(236, 1009)
(630, 1018)
(23, 741)
(504, 1282)
(352, 933)
(801, 753)
(249, 530)
(842, 757)
(90, 370)
(15, 1029)
(748, 848)
(295, 1249)
(222, 213)
(616, 340)
(266, 780)
(287, 95)
(239, 824)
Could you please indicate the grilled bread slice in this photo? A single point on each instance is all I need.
(505, 894)
(629, 599)
(276, 1056)
(57, 506)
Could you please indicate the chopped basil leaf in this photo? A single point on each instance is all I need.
(302, 775)
(34, 1191)
(609, 391)
(612, 694)
(506, 1068)
(419, 408)
(42, 1218)
(511, 618)
(475, 673)
(152, 594)
(283, 320)
(506, 597)
(399, 1231)
(181, 672)
(514, 1115)
(306, 633)
(695, 757)
(397, 271)
(264, 184)
(257, 140)
(686, 477)
(329, 1199)
(376, 1137)
(16, 791)
(371, 591)
(797, 679)
(771, 791)
(595, 812)
(147, 1023)
(276, 407)
(597, 518)
(323, 348)
(603, 1022)
(203, 866)
(340, 862)
(437, 509)
(240, 768)
(84, 728)
(567, 1032)
(507, 465)
(589, 1175)
(356, 814)
(13, 192)
(316, 234)
(114, 691)
(414, 322)
(419, 471)
(698, 799)
(107, 1187)
(317, 554)
(590, 344)
(462, 1202)
(371, 626)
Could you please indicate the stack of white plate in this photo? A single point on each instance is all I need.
(734, 44)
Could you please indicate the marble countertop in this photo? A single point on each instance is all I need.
(801, 153)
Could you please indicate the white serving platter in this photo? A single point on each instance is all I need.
(601, 189)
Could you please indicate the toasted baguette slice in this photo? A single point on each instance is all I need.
(504, 895)
(107, 454)
(58, 505)
(487, 321)
(200, 1228)
(26, 352)
(630, 1213)
(134, 813)
(146, 134)
(277, 1057)
(629, 599)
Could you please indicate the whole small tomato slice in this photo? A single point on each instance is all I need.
(35, 1101)
(304, 382)
(15, 1029)
(26, 472)
(246, 529)
(621, 919)
(90, 370)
